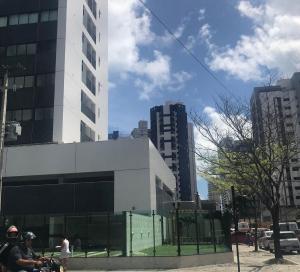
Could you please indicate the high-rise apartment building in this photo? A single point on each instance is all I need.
(141, 131)
(174, 138)
(283, 102)
(61, 88)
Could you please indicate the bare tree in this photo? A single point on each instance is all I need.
(258, 160)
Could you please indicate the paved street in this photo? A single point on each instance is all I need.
(250, 262)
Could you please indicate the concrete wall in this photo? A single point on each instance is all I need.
(118, 263)
(135, 167)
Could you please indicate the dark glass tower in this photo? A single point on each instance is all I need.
(170, 135)
(28, 35)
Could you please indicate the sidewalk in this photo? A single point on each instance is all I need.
(250, 262)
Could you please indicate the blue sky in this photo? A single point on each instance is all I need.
(240, 41)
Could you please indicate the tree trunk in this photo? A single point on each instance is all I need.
(276, 231)
(255, 222)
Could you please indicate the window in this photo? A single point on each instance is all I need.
(3, 21)
(31, 49)
(288, 116)
(296, 178)
(88, 51)
(19, 115)
(289, 125)
(88, 107)
(21, 82)
(88, 78)
(295, 168)
(23, 19)
(294, 160)
(2, 51)
(11, 51)
(93, 7)
(33, 18)
(45, 80)
(89, 24)
(286, 99)
(297, 197)
(53, 15)
(43, 114)
(13, 20)
(297, 187)
(29, 81)
(21, 49)
(287, 108)
(49, 15)
(86, 133)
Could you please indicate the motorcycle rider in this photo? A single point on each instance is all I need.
(12, 235)
(22, 257)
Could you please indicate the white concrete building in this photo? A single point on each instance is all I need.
(81, 95)
(108, 176)
(284, 100)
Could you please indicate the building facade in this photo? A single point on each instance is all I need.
(283, 100)
(141, 131)
(56, 54)
(173, 137)
(73, 178)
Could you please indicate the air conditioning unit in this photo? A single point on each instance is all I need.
(12, 131)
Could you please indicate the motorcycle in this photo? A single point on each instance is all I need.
(50, 265)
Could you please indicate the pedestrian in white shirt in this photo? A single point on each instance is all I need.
(64, 252)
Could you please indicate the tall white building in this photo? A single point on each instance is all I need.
(62, 90)
(284, 100)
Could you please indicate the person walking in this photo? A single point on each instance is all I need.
(64, 252)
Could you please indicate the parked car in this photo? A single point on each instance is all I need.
(287, 226)
(263, 242)
(288, 242)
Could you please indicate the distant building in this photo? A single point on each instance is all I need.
(142, 131)
(174, 138)
(114, 135)
(282, 100)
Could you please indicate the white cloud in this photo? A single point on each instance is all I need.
(201, 15)
(274, 44)
(129, 29)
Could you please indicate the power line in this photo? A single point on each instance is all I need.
(211, 73)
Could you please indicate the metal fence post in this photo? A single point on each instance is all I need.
(197, 231)
(108, 235)
(153, 224)
(131, 234)
(178, 232)
(214, 233)
(87, 236)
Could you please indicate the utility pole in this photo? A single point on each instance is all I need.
(4, 90)
(236, 227)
